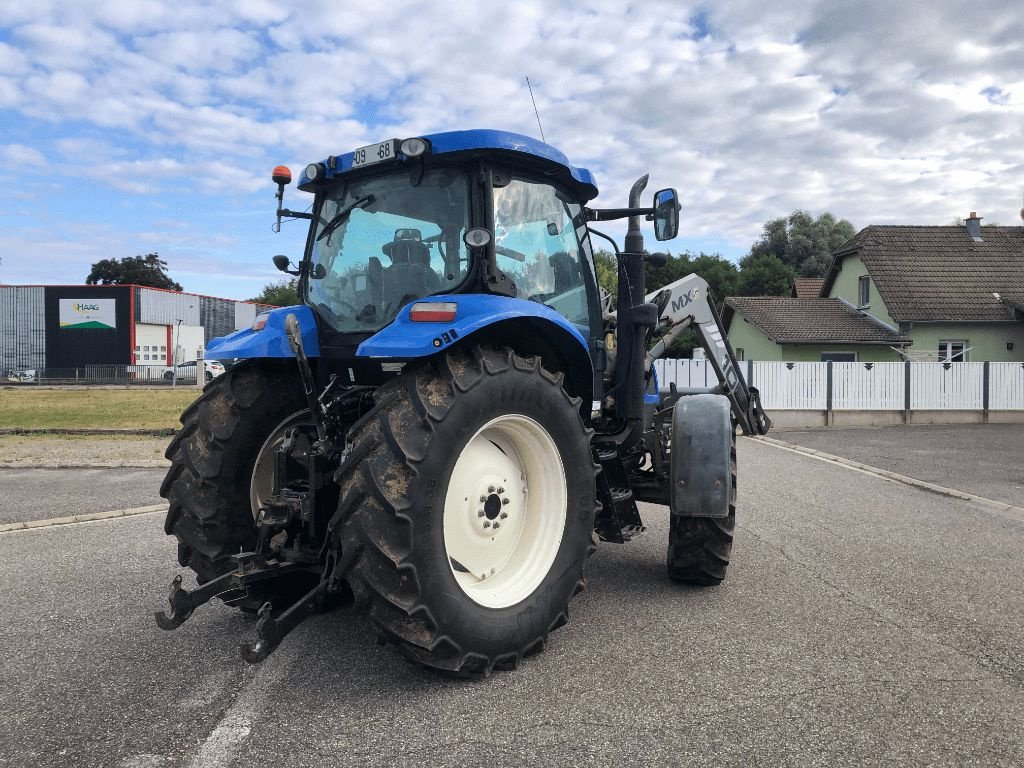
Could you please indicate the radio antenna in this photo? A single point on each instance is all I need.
(537, 113)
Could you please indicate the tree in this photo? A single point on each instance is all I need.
(607, 272)
(803, 242)
(148, 270)
(765, 275)
(283, 293)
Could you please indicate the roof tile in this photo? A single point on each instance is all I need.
(941, 273)
(788, 320)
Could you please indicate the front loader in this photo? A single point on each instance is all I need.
(443, 431)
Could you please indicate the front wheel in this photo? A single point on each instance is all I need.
(699, 547)
(467, 506)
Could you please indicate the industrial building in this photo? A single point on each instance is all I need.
(74, 326)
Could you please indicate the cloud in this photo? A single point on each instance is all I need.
(21, 157)
(880, 113)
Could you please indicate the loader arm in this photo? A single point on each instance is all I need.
(687, 303)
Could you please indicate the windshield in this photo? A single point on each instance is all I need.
(383, 242)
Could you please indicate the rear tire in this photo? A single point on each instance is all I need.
(212, 459)
(408, 510)
(699, 547)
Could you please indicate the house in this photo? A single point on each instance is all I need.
(947, 293)
(816, 329)
(957, 291)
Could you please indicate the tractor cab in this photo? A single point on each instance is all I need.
(461, 213)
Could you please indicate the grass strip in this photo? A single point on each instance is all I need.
(25, 408)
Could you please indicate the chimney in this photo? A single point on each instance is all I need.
(973, 225)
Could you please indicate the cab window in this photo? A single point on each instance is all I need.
(536, 245)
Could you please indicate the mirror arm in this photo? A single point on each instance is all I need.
(607, 214)
(297, 214)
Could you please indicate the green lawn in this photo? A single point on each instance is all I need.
(26, 408)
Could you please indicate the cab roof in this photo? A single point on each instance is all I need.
(491, 143)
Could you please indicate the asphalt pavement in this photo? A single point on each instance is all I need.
(864, 622)
(984, 459)
(39, 494)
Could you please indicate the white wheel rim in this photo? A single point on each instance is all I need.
(262, 482)
(505, 510)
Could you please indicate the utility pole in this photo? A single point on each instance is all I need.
(174, 357)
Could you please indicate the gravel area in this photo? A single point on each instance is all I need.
(82, 451)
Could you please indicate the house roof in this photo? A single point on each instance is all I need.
(788, 320)
(808, 287)
(940, 273)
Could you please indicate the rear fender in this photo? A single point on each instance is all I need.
(271, 340)
(701, 459)
(526, 326)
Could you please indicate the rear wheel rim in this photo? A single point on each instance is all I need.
(261, 484)
(505, 511)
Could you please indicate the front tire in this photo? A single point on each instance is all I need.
(699, 547)
(449, 447)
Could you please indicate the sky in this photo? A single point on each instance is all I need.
(133, 126)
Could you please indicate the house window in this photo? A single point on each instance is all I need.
(953, 351)
(839, 357)
(740, 354)
(863, 291)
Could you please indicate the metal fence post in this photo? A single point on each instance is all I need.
(985, 385)
(201, 369)
(906, 392)
(829, 418)
(750, 373)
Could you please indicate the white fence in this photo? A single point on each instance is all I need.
(867, 386)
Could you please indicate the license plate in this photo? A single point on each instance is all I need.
(375, 153)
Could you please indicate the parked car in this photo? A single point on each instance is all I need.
(20, 375)
(187, 370)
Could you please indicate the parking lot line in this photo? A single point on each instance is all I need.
(1008, 509)
(32, 525)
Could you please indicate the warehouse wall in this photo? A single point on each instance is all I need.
(78, 347)
(217, 316)
(151, 345)
(22, 327)
(166, 307)
(190, 342)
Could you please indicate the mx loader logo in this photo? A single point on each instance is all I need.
(684, 299)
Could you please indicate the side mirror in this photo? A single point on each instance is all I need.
(281, 262)
(666, 214)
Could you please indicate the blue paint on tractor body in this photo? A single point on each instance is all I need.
(484, 140)
(653, 398)
(271, 341)
(404, 338)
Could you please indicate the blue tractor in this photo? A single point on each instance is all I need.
(443, 431)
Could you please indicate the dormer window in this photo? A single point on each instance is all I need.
(863, 292)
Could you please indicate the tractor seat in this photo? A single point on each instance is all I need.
(407, 252)
(409, 276)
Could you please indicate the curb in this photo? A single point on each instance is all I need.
(163, 465)
(892, 476)
(72, 519)
(166, 432)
